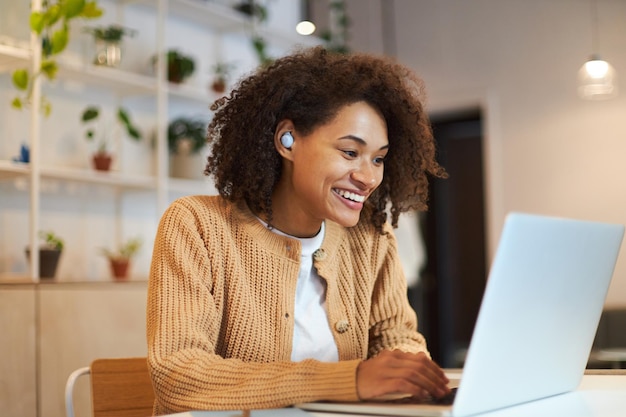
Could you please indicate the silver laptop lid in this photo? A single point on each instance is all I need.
(540, 311)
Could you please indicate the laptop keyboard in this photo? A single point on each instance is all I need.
(447, 400)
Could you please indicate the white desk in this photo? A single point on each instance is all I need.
(599, 395)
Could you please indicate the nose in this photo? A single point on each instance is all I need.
(366, 175)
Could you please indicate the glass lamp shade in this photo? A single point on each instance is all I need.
(305, 28)
(597, 80)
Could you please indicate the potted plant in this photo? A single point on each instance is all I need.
(179, 66)
(119, 260)
(53, 25)
(258, 14)
(108, 43)
(186, 137)
(103, 158)
(252, 9)
(337, 39)
(49, 253)
(221, 76)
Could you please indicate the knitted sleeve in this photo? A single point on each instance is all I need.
(393, 322)
(183, 329)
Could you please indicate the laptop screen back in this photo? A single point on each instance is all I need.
(540, 311)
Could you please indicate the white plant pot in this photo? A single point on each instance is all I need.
(184, 164)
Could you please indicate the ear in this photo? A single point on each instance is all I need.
(283, 126)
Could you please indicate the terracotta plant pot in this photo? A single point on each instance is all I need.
(218, 86)
(102, 161)
(119, 268)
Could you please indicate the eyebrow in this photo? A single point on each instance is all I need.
(360, 141)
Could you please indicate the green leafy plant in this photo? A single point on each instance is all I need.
(52, 24)
(336, 40)
(125, 251)
(92, 113)
(260, 48)
(188, 133)
(112, 33)
(51, 241)
(258, 13)
(179, 66)
(252, 9)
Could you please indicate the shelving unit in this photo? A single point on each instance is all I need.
(59, 190)
(219, 20)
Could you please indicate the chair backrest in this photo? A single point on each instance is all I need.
(119, 388)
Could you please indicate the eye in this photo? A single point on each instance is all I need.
(379, 160)
(349, 153)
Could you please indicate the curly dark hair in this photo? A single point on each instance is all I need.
(309, 87)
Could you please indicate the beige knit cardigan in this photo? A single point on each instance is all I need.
(221, 301)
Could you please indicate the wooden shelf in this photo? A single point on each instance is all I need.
(13, 278)
(124, 83)
(10, 170)
(191, 92)
(12, 57)
(111, 178)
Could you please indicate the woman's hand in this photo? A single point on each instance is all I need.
(394, 372)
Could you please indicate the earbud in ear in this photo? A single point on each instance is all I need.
(287, 140)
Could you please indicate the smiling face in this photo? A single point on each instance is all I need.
(329, 173)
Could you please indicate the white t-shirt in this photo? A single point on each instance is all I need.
(312, 335)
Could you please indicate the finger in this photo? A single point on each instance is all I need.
(424, 373)
(396, 372)
(414, 379)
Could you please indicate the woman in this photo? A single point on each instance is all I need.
(287, 287)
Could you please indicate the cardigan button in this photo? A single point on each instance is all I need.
(342, 326)
(319, 255)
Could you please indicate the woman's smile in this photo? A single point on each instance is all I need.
(350, 195)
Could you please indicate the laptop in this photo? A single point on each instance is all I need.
(537, 320)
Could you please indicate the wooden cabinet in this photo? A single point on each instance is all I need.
(49, 330)
(18, 361)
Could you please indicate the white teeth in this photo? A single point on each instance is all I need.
(351, 196)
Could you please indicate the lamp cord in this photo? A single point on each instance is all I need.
(594, 27)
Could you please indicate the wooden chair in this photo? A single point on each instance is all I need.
(119, 388)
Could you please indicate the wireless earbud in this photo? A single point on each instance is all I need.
(287, 140)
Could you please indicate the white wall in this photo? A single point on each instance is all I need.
(548, 151)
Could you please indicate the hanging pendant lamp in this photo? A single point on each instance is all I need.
(597, 79)
(305, 26)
